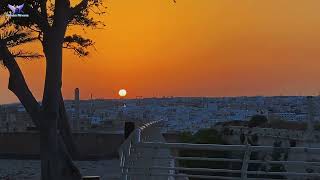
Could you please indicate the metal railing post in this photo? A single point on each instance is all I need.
(245, 162)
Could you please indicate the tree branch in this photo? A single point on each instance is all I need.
(18, 85)
(78, 44)
(79, 7)
(27, 55)
(80, 13)
(43, 8)
(40, 20)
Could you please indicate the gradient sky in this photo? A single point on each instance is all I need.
(193, 48)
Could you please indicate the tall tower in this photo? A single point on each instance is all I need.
(76, 119)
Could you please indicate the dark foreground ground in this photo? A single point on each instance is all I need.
(30, 169)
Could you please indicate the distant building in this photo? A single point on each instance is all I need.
(285, 116)
(15, 120)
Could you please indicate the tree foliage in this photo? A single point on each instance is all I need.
(20, 30)
(204, 136)
(257, 120)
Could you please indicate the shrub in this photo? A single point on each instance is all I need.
(257, 120)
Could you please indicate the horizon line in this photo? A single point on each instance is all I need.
(172, 97)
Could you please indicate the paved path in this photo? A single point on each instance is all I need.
(30, 169)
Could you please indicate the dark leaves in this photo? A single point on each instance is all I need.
(27, 55)
(16, 36)
(80, 13)
(78, 44)
(40, 21)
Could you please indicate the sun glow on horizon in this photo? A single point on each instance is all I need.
(122, 92)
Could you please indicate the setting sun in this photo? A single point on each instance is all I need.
(122, 92)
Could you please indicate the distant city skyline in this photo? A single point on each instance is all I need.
(192, 48)
(160, 97)
(180, 114)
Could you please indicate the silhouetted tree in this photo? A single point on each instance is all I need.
(257, 120)
(47, 23)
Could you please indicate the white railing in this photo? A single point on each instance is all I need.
(136, 163)
(146, 156)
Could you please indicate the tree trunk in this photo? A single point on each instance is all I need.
(65, 129)
(56, 162)
(56, 142)
(56, 138)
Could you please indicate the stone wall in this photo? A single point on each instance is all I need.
(90, 145)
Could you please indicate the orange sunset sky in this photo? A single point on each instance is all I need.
(193, 48)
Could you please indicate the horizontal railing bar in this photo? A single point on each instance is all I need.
(185, 175)
(282, 173)
(200, 159)
(221, 177)
(225, 171)
(220, 147)
(283, 162)
(217, 147)
(149, 124)
(185, 169)
(263, 179)
(238, 160)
